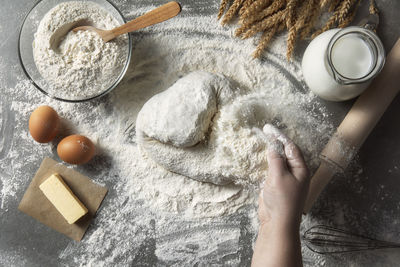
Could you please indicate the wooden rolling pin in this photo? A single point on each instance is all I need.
(357, 125)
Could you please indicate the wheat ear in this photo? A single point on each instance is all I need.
(324, 3)
(311, 21)
(300, 22)
(334, 4)
(264, 41)
(331, 21)
(265, 24)
(372, 7)
(255, 7)
(271, 9)
(245, 5)
(349, 18)
(222, 7)
(291, 5)
(234, 8)
(345, 9)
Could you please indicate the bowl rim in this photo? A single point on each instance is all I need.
(115, 84)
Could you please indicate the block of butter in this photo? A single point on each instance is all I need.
(63, 199)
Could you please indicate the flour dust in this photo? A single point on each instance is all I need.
(151, 215)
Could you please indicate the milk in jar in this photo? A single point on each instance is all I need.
(340, 63)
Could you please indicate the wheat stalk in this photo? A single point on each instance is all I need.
(271, 9)
(324, 3)
(372, 7)
(346, 21)
(308, 6)
(234, 8)
(304, 13)
(255, 7)
(334, 4)
(311, 21)
(246, 4)
(299, 17)
(338, 16)
(328, 25)
(291, 5)
(222, 8)
(264, 41)
(265, 24)
(345, 9)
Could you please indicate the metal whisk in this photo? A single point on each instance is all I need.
(326, 240)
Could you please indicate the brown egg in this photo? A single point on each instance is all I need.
(43, 124)
(75, 149)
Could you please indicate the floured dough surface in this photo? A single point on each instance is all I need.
(182, 114)
(201, 128)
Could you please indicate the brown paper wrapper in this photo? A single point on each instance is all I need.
(35, 204)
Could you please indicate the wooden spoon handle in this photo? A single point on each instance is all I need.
(160, 14)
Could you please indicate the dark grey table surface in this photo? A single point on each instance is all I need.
(377, 210)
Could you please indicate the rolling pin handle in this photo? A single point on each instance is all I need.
(358, 123)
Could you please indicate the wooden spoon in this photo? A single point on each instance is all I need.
(155, 16)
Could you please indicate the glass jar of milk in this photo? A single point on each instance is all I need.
(339, 64)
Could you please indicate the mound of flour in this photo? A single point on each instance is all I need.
(83, 65)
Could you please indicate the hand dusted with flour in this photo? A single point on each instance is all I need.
(83, 65)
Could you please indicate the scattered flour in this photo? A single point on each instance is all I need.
(84, 65)
(201, 128)
(152, 216)
(180, 129)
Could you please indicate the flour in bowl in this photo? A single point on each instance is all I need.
(84, 65)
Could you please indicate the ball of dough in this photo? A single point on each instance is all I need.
(199, 128)
(182, 114)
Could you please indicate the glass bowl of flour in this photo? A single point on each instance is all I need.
(81, 66)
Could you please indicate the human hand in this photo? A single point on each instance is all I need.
(281, 202)
(285, 190)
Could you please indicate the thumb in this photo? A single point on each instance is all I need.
(275, 151)
(295, 161)
(276, 158)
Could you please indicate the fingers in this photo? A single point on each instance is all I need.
(275, 152)
(294, 158)
(269, 129)
(295, 161)
(275, 157)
